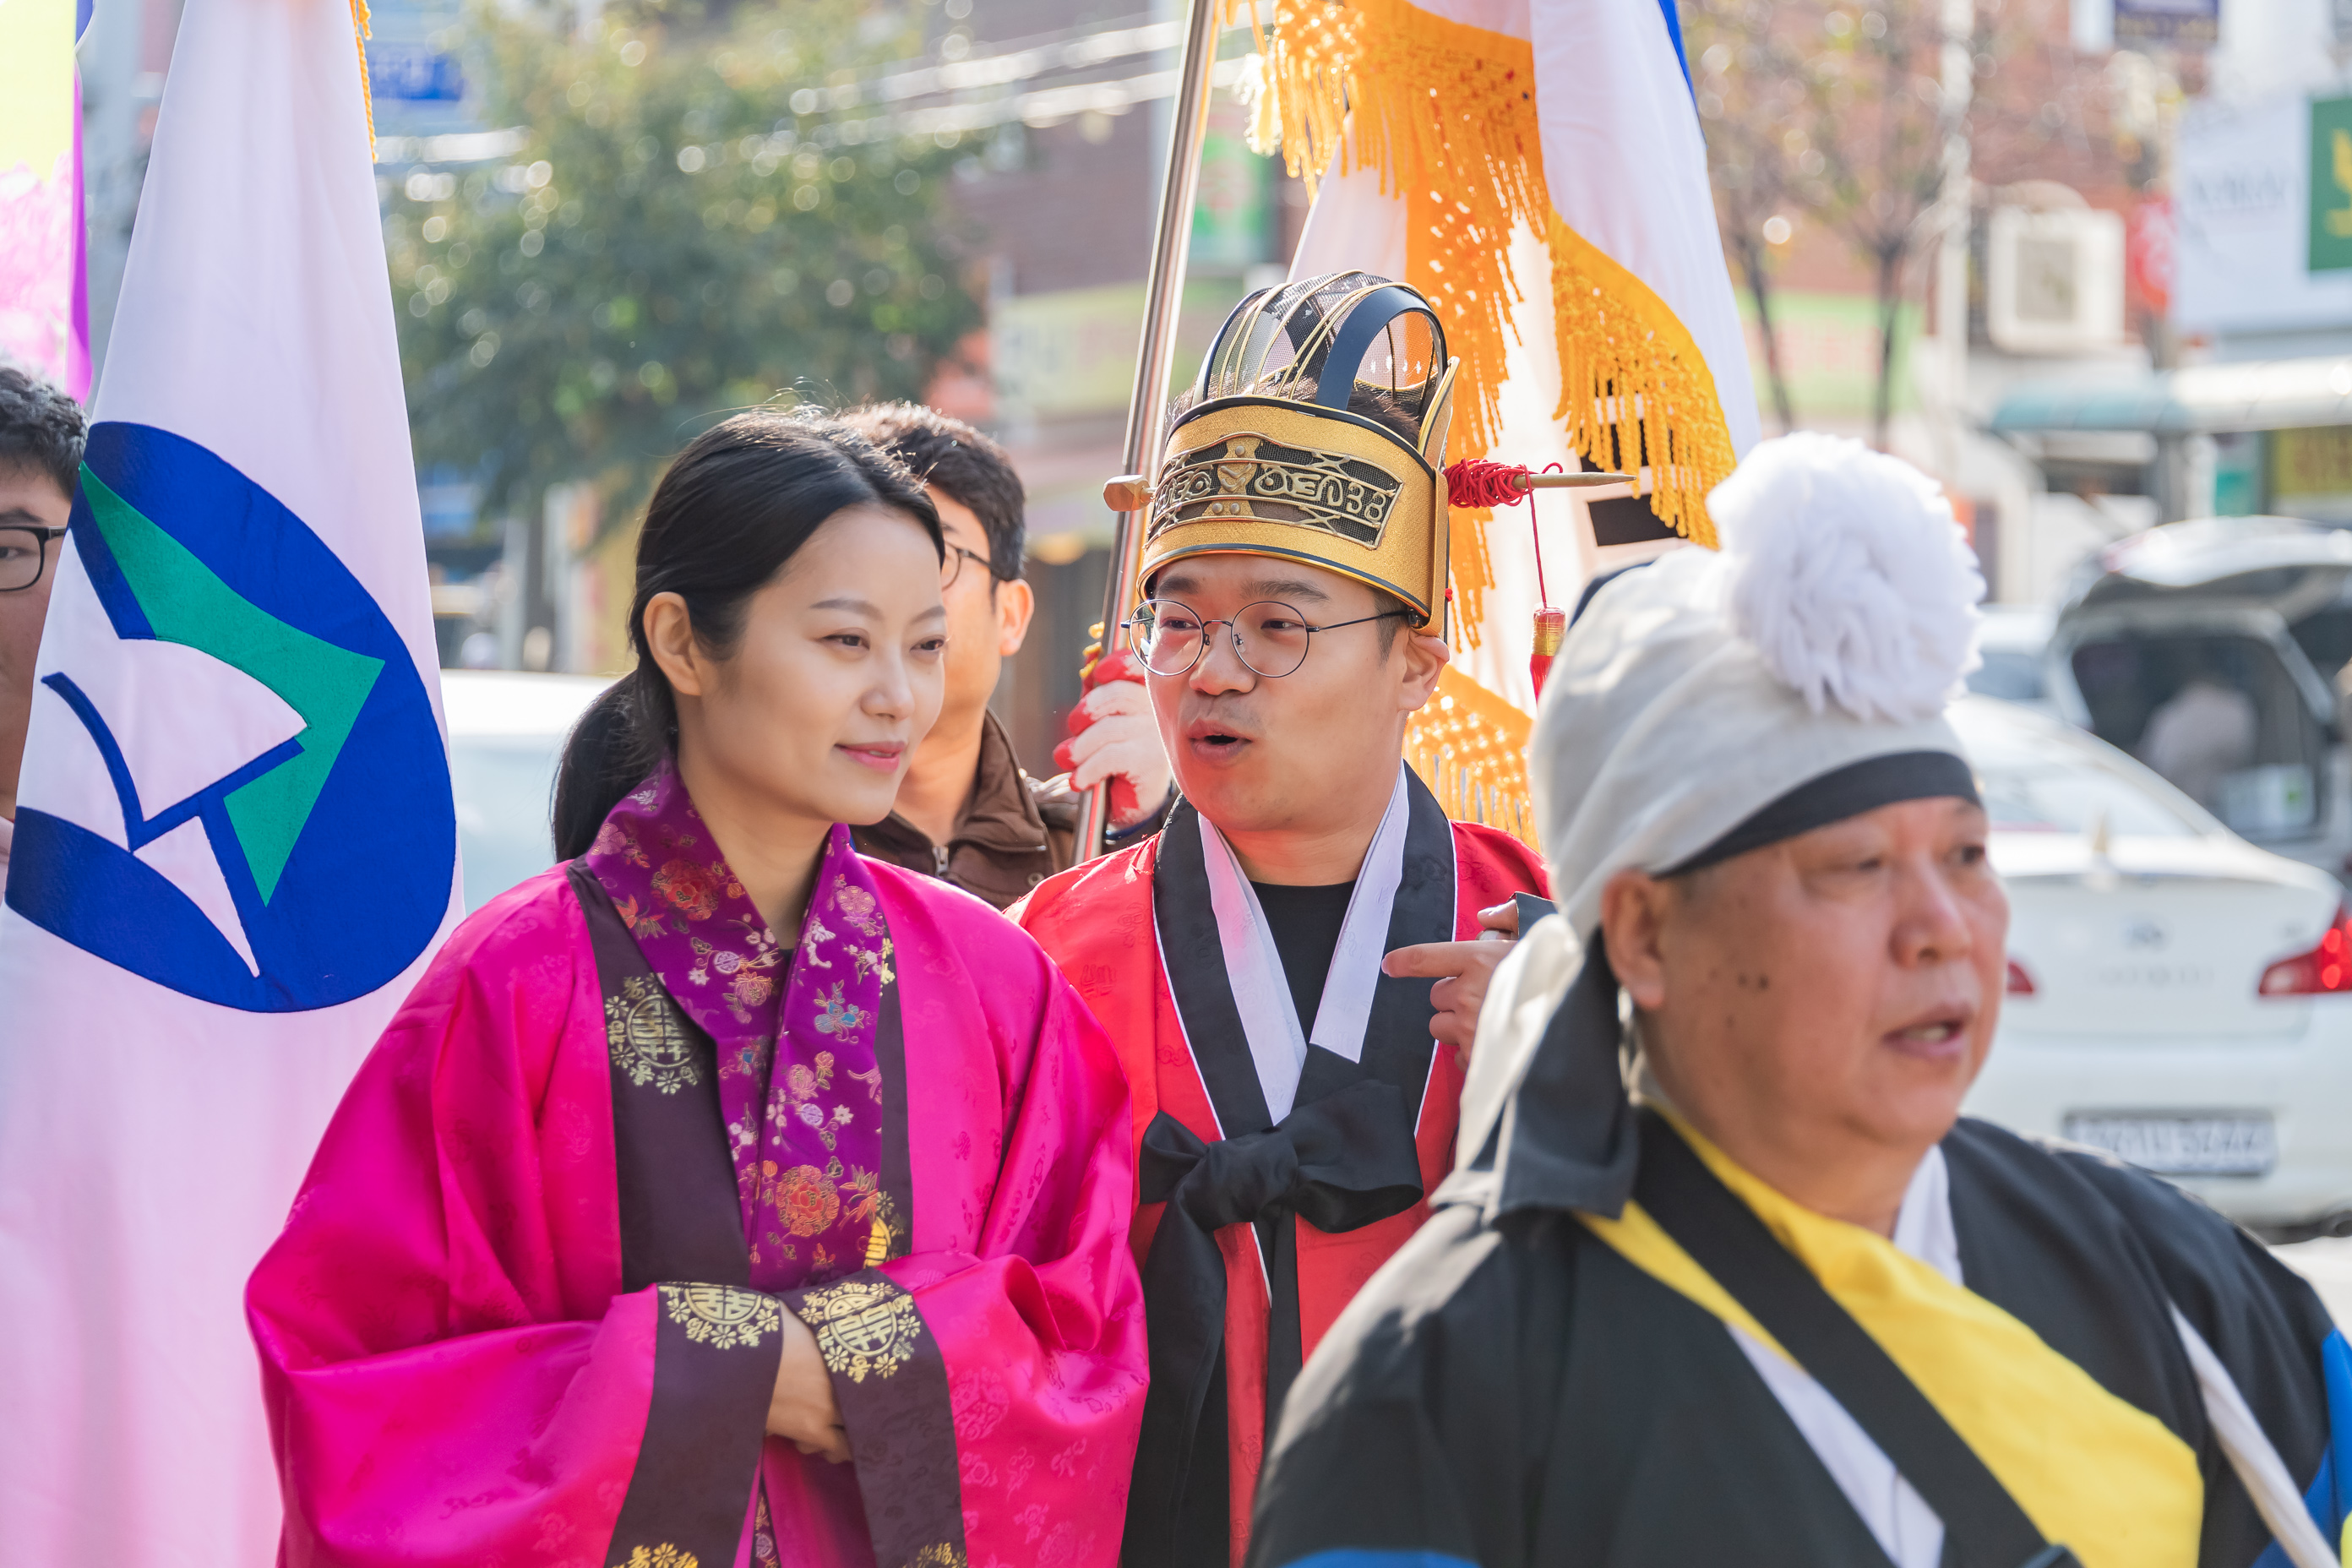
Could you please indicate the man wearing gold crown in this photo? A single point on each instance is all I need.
(1291, 1108)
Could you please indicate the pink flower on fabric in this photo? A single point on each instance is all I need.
(752, 988)
(805, 1201)
(857, 905)
(691, 889)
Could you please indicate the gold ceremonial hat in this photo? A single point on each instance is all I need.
(1315, 432)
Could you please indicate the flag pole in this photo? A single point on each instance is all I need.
(1163, 299)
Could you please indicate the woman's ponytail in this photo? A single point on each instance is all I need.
(614, 746)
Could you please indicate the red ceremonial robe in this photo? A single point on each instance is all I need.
(509, 1321)
(1134, 932)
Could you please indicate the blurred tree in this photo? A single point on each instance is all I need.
(672, 240)
(1842, 108)
(1836, 111)
(1740, 94)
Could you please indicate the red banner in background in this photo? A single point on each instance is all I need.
(2148, 254)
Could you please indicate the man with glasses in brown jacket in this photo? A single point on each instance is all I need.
(967, 812)
(40, 454)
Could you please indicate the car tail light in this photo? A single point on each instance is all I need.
(2020, 982)
(2325, 971)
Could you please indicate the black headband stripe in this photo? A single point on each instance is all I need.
(1842, 793)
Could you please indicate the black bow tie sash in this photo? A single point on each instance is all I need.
(1341, 1163)
(1344, 1158)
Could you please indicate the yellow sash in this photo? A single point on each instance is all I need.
(2093, 1471)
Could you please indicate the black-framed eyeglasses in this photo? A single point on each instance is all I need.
(952, 567)
(24, 554)
(1270, 638)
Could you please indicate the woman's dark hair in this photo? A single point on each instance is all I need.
(733, 508)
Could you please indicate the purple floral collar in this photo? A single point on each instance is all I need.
(803, 1120)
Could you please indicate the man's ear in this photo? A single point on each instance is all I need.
(1015, 603)
(669, 633)
(1634, 906)
(1425, 658)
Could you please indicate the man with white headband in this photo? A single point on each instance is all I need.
(1786, 1307)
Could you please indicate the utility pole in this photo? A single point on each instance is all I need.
(1958, 87)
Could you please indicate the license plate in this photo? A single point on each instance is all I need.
(2243, 1145)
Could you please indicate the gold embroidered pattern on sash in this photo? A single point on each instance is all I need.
(863, 1326)
(663, 1557)
(946, 1554)
(721, 1316)
(647, 1038)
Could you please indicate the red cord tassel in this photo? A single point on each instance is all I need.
(1474, 481)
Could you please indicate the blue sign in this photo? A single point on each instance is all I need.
(337, 847)
(414, 74)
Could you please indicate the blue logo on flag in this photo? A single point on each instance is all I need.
(336, 847)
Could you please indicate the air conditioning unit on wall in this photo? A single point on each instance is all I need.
(2054, 279)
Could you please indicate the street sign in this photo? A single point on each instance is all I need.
(2331, 184)
(2180, 24)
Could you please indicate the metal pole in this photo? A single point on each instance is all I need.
(1163, 298)
(1959, 21)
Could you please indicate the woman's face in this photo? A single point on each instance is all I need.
(836, 676)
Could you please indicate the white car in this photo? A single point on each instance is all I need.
(2175, 996)
(506, 732)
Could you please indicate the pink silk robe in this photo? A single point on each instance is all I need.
(464, 1364)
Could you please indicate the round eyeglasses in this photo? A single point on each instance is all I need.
(25, 554)
(1269, 637)
(952, 567)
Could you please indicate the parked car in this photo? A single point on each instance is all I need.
(506, 731)
(2213, 652)
(2176, 994)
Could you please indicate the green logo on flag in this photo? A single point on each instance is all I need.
(2331, 184)
(266, 857)
(185, 604)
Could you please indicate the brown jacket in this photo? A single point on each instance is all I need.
(1015, 831)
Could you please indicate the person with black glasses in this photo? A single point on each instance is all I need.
(1265, 963)
(968, 813)
(40, 454)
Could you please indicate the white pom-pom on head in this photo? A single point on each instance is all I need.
(1849, 576)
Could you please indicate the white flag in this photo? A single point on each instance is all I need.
(234, 847)
(1536, 168)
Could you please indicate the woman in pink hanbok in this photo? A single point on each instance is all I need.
(721, 1197)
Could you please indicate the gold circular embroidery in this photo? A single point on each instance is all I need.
(946, 1554)
(647, 1038)
(863, 1326)
(666, 1555)
(721, 1316)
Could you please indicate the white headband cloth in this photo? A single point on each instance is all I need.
(1702, 706)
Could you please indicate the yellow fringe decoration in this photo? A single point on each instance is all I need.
(1445, 118)
(1615, 334)
(1470, 747)
(363, 28)
(1446, 113)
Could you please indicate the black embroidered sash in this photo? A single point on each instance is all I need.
(890, 1382)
